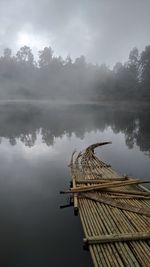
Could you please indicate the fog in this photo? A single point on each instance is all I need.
(72, 73)
(63, 80)
(75, 51)
(25, 121)
(102, 30)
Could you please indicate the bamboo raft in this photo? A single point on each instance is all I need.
(114, 211)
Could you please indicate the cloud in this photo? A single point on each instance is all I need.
(102, 30)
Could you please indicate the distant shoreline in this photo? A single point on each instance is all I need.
(113, 104)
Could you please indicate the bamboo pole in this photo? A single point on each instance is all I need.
(128, 192)
(117, 238)
(100, 219)
(105, 259)
(75, 200)
(109, 222)
(114, 256)
(97, 181)
(140, 257)
(124, 224)
(121, 248)
(107, 185)
(117, 204)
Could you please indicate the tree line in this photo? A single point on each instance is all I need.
(22, 76)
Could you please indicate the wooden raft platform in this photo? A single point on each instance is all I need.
(114, 211)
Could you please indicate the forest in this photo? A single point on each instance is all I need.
(50, 77)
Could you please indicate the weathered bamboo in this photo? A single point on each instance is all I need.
(112, 191)
(75, 199)
(107, 185)
(104, 217)
(117, 204)
(123, 191)
(117, 238)
(122, 249)
(100, 180)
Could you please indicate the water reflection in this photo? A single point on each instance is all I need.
(36, 144)
(25, 122)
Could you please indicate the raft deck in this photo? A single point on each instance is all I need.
(114, 211)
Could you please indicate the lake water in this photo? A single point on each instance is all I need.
(36, 142)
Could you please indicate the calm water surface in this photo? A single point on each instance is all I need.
(36, 142)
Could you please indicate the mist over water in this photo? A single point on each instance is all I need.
(72, 73)
(37, 140)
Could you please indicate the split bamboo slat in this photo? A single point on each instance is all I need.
(114, 212)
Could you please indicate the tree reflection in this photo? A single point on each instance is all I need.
(24, 122)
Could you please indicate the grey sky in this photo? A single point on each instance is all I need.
(102, 30)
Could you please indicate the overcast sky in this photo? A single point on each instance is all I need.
(102, 30)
